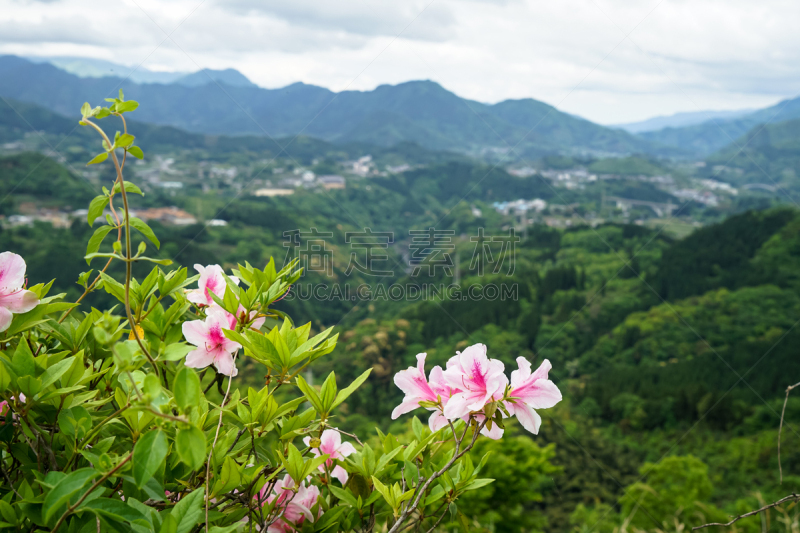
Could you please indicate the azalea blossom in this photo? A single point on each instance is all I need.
(418, 388)
(293, 508)
(213, 347)
(257, 321)
(481, 381)
(13, 297)
(211, 281)
(531, 391)
(331, 445)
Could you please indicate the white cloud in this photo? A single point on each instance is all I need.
(681, 55)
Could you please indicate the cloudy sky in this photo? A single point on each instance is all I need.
(611, 61)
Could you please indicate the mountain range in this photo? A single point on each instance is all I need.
(678, 120)
(419, 111)
(225, 102)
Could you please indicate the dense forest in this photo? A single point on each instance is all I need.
(673, 354)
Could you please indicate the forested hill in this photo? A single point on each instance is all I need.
(419, 111)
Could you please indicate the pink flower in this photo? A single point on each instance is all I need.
(293, 508)
(331, 445)
(417, 388)
(258, 321)
(495, 433)
(213, 347)
(531, 391)
(13, 298)
(481, 380)
(211, 280)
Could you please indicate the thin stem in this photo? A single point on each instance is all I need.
(91, 489)
(780, 428)
(216, 435)
(457, 454)
(790, 497)
(128, 253)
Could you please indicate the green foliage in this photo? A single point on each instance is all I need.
(106, 427)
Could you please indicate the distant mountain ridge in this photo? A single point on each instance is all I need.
(86, 67)
(717, 133)
(679, 120)
(419, 111)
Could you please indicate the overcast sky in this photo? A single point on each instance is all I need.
(610, 61)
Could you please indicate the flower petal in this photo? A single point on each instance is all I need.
(19, 301)
(195, 332)
(12, 271)
(199, 358)
(5, 318)
(339, 473)
(437, 421)
(330, 442)
(409, 404)
(223, 361)
(529, 418)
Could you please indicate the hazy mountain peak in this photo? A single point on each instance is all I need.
(228, 76)
(87, 67)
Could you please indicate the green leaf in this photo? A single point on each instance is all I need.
(125, 107)
(64, 489)
(56, 371)
(310, 394)
(188, 512)
(478, 483)
(176, 352)
(115, 509)
(148, 454)
(191, 444)
(129, 187)
(86, 109)
(344, 495)
(145, 230)
(187, 389)
(96, 239)
(22, 361)
(96, 207)
(99, 158)
(344, 393)
(136, 152)
(164, 262)
(124, 140)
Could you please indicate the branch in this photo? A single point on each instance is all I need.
(792, 496)
(351, 435)
(457, 454)
(780, 428)
(91, 489)
(216, 434)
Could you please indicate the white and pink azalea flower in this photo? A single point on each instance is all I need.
(331, 445)
(418, 388)
(211, 281)
(14, 298)
(481, 381)
(472, 381)
(293, 508)
(531, 391)
(213, 347)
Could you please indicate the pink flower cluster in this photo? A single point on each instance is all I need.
(331, 445)
(13, 297)
(470, 382)
(213, 348)
(293, 508)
